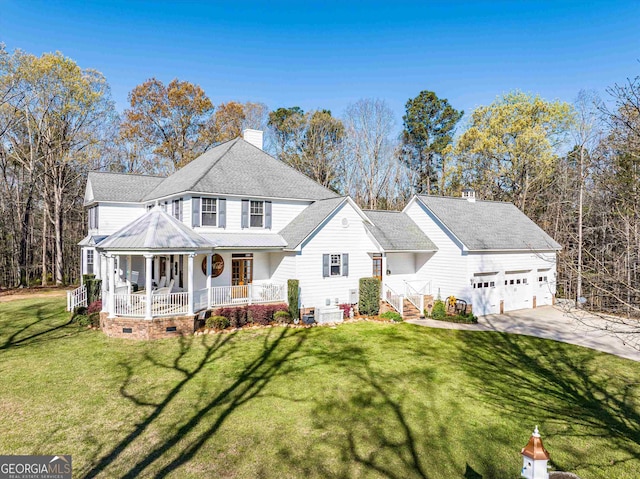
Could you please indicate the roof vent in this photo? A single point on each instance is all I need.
(469, 194)
(253, 136)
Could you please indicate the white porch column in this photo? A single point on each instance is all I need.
(209, 280)
(84, 263)
(111, 274)
(129, 274)
(167, 269)
(104, 296)
(97, 264)
(156, 270)
(148, 284)
(190, 283)
(384, 274)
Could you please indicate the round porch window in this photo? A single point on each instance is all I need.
(217, 265)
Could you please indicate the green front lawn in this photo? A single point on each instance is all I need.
(361, 400)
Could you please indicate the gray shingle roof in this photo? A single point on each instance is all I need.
(245, 240)
(155, 230)
(120, 186)
(307, 221)
(239, 168)
(395, 231)
(92, 240)
(489, 225)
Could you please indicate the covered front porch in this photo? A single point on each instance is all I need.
(156, 267)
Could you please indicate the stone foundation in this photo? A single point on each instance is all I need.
(140, 328)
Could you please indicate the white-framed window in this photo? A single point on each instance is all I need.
(92, 214)
(336, 265)
(209, 212)
(256, 214)
(89, 261)
(177, 209)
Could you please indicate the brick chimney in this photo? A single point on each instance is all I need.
(253, 136)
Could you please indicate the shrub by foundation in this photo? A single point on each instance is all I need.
(369, 296)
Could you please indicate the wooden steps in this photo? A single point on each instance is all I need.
(410, 311)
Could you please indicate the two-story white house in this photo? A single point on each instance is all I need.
(235, 224)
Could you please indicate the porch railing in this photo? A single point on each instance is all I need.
(394, 299)
(247, 294)
(414, 297)
(172, 303)
(77, 297)
(133, 305)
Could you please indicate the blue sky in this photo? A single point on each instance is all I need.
(329, 54)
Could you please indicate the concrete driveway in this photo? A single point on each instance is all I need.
(566, 325)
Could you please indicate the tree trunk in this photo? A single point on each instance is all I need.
(57, 227)
(580, 214)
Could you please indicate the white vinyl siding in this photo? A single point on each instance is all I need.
(315, 288)
(114, 216)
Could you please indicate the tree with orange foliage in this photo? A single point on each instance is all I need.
(167, 122)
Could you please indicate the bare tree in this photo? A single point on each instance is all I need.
(369, 150)
(587, 133)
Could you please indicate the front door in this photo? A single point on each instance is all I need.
(241, 270)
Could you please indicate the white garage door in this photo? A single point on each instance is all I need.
(544, 296)
(485, 298)
(517, 290)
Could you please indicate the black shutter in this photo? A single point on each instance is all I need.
(222, 213)
(326, 267)
(96, 225)
(345, 264)
(195, 211)
(245, 214)
(267, 215)
(180, 217)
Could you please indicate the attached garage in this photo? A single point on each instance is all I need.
(485, 296)
(517, 292)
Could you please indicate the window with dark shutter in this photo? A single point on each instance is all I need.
(326, 271)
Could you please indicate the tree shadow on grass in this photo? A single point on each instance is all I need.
(559, 386)
(39, 330)
(188, 436)
(366, 430)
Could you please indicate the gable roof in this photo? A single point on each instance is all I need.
(395, 231)
(239, 168)
(155, 230)
(104, 186)
(308, 220)
(488, 225)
